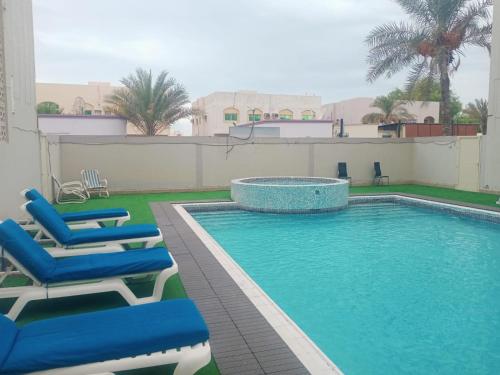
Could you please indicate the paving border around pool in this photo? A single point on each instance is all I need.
(238, 331)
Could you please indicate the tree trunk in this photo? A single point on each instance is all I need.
(445, 105)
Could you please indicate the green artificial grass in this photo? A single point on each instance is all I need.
(138, 204)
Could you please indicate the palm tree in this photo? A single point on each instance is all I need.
(48, 108)
(150, 106)
(478, 111)
(391, 110)
(430, 44)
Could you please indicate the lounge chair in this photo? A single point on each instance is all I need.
(53, 227)
(116, 215)
(70, 192)
(93, 183)
(104, 342)
(79, 274)
(379, 178)
(342, 172)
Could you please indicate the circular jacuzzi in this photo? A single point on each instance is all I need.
(290, 194)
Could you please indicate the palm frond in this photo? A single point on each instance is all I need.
(150, 106)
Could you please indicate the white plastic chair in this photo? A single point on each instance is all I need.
(93, 183)
(70, 192)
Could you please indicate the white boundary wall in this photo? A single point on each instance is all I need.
(191, 163)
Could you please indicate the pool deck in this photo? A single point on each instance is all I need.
(242, 340)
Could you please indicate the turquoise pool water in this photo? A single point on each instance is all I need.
(381, 288)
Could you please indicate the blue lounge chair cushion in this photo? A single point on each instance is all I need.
(33, 194)
(49, 270)
(29, 253)
(105, 335)
(94, 214)
(96, 266)
(8, 334)
(46, 215)
(83, 236)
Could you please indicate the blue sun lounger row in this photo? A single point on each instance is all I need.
(54, 226)
(149, 333)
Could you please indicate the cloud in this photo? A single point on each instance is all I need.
(279, 46)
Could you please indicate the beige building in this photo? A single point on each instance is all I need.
(353, 110)
(215, 113)
(75, 99)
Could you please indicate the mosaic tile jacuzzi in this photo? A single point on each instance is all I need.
(290, 194)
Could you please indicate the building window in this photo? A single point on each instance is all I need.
(267, 116)
(230, 117)
(286, 114)
(308, 115)
(275, 116)
(231, 114)
(98, 112)
(254, 115)
(87, 112)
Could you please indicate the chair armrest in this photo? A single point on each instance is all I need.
(104, 182)
(72, 184)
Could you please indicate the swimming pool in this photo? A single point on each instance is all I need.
(381, 288)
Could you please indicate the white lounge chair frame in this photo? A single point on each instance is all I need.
(71, 188)
(40, 291)
(93, 183)
(146, 242)
(189, 359)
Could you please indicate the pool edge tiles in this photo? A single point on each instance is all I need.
(313, 359)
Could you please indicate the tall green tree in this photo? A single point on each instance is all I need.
(430, 44)
(392, 109)
(431, 92)
(48, 108)
(478, 112)
(152, 105)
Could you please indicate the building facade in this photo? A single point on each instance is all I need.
(353, 110)
(217, 112)
(81, 100)
(20, 165)
(76, 99)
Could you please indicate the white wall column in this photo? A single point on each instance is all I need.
(490, 155)
(19, 138)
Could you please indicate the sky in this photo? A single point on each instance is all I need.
(272, 46)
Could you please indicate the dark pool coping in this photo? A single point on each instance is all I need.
(242, 340)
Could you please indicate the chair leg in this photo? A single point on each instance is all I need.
(194, 360)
